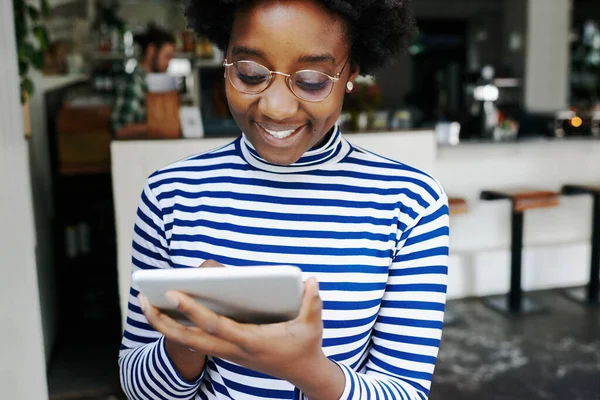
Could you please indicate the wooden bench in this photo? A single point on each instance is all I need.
(457, 206)
(522, 199)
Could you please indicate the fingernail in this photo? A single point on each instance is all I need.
(172, 298)
(142, 301)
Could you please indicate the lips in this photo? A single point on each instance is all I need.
(280, 131)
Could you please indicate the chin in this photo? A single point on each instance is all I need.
(278, 157)
(280, 151)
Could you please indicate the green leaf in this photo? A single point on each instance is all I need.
(41, 34)
(37, 60)
(18, 7)
(33, 12)
(27, 51)
(20, 27)
(20, 32)
(45, 8)
(27, 86)
(23, 68)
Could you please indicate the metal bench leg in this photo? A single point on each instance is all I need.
(594, 285)
(591, 293)
(514, 302)
(516, 288)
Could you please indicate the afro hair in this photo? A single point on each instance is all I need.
(378, 29)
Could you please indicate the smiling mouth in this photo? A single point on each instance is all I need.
(280, 133)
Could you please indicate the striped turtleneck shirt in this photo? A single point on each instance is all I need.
(374, 232)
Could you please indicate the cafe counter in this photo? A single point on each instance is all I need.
(557, 246)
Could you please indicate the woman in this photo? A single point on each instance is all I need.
(291, 190)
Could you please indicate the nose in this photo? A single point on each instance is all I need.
(278, 103)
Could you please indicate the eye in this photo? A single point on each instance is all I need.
(311, 83)
(252, 79)
(251, 73)
(311, 87)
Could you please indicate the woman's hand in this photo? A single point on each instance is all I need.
(290, 351)
(188, 362)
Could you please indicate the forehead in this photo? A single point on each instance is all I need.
(286, 29)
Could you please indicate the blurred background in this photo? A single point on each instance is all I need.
(498, 99)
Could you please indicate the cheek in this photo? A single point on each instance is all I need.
(327, 111)
(233, 99)
(238, 105)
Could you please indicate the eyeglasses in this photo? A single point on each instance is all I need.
(249, 77)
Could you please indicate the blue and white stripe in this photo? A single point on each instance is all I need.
(374, 232)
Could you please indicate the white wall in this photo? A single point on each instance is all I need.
(22, 366)
(134, 161)
(547, 49)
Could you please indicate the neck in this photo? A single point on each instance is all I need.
(325, 139)
(331, 151)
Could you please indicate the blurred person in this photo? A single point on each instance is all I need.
(129, 113)
(369, 233)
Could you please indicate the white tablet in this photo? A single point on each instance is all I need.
(257, 295)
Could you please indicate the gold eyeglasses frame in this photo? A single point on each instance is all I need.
(288, 78)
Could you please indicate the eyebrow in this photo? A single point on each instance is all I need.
(318, 58)
(248, 51)
(309, 58)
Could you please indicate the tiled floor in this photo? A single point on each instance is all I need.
(551, 356)
(80, 371)
(485, 356)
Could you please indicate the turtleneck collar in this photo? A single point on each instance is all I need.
(330, 152)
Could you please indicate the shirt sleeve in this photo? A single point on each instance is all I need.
(146, 371)
(408, 331)
(128, 106)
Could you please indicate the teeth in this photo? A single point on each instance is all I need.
(280, 134)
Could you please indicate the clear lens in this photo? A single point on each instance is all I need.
(253, 78)
(249, 77)
(311, 85)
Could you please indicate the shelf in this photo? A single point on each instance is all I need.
(507, 82)
(53, 82)
(110, 56)
(198, 62)
(58, 3)
(84, 169)
(208, 63)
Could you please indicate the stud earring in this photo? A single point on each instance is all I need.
(350, 86)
